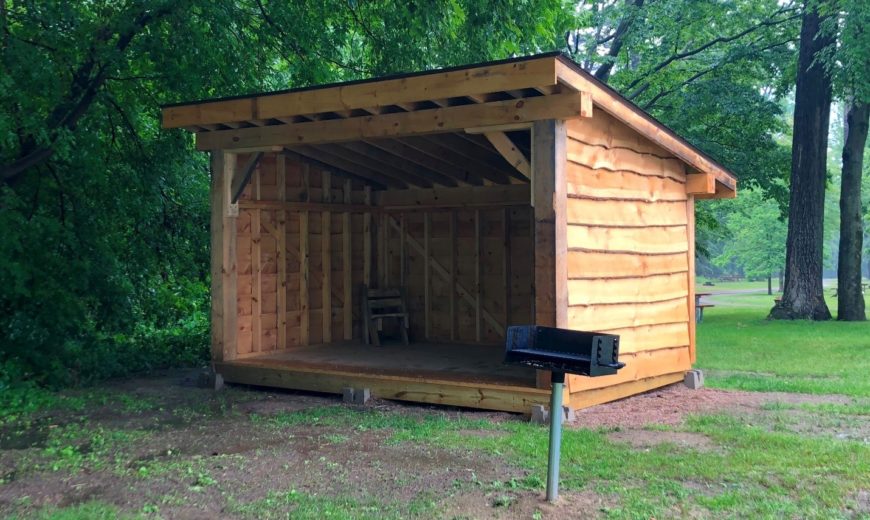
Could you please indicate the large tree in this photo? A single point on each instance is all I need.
(803, 296)
(850, 297)
(849, 63)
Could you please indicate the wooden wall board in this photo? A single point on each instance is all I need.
(638, 366)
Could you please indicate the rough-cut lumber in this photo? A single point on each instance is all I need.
(622, 315)
(281, 254)
(453, 393)
(468, 196)
(446, 119)
(242, 176)
(326, 261)
(650, 337)
(381, 158)
(224, 305)
(641, 122)
(652, 239)
(592, 212)
(501, 142)
(304, 266)
(690, 256)
(596, 264)
(700, 184)
(648, 289)
(433, 85)
(624, 185)
(638, 366)
(620, 159)
(551, 245)
(347, 267)
(592, 397)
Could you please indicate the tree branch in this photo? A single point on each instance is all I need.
(721, 39)
(83, 89)
(603, 72)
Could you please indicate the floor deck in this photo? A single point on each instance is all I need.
(437, 373)
(439, 361)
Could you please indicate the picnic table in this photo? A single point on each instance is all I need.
(699, 307)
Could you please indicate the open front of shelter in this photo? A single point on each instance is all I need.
(513, 192)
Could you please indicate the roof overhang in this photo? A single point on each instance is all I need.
(483, 98)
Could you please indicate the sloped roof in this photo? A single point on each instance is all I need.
(517, 90)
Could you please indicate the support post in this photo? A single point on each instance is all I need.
(224, 307)
(556, 415)
(549, 157)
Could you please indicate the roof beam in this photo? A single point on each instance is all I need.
(436, 120)
(361, 157)
(433, 85)
(319, 164)
(503, 144)
(349, 166)
(411, 154)
(700, 184)
(469, 155)
(383, 157)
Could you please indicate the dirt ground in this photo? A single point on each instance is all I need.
(185, 439)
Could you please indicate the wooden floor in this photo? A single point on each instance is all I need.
(452, 362)
(453, 374)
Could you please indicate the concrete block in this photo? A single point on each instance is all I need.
(694, 379)
(540, 414)
(361, 395)
(347, 395)
(568, 415)
(217, 381)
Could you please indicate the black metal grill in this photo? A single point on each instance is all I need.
(560, 350)
(576, 352)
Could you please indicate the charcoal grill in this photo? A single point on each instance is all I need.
(561, 351)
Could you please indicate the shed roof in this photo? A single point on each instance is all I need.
(504, 93)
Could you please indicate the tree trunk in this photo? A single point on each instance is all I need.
(603, 72)
(770, 284)
(850, 300)
(804, 296)
(781, 277)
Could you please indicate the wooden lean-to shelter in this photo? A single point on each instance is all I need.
(511, 192)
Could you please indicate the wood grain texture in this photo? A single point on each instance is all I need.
(649, 289)
(652, 240)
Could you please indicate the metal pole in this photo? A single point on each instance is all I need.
(558, 379)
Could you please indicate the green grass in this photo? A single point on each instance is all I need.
(730, 286)
(753, 471)
(739, 348)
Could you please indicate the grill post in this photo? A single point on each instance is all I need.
(558, 379)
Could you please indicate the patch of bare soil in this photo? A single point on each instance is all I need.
(503, 505)
(644, 439)
(200, 454)
(671, 405)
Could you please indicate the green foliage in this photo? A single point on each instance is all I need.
(756, 242)
(714, 71)
(104, 229)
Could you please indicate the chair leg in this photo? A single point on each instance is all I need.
(376, 337)
(404, 326)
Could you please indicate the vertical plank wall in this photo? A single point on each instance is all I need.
(296, 267)
(628, 247)
(297, 287)
(467, 272)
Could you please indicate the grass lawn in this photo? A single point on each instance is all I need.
(156, 449)
(739, 348)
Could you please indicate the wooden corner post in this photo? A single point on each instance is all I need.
(224, 311)
(549, 156)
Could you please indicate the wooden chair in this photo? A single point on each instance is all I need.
(379, 304)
